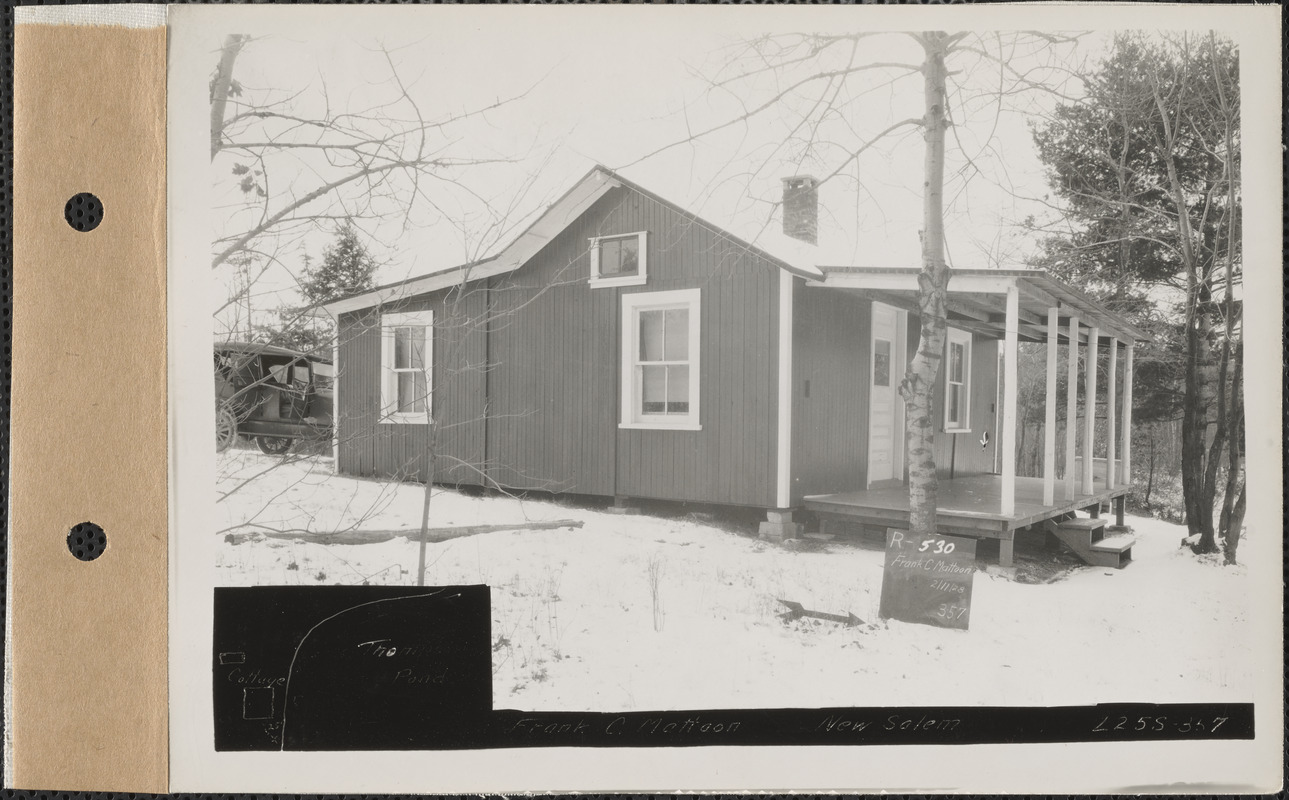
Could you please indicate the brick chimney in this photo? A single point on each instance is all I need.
(801, 208)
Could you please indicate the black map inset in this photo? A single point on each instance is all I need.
(322, 667)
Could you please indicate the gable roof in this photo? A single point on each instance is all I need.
(818, 266)
(794, 257)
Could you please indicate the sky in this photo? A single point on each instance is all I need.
(630, 92)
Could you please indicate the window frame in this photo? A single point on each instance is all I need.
(632, 415)
(598, 281)
(963, 423)
(389, 375)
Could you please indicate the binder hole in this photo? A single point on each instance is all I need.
(83, 212)
(86, 541)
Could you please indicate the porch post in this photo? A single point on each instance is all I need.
(783, 482)
(335, 394)
(1071, 406)
(1125, 427)
(1049, 421)
(1111, 389)
(1089, 406)
(1008, 504)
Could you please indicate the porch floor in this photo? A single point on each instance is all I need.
(967, 505)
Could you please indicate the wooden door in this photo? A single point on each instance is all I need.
(884, 376)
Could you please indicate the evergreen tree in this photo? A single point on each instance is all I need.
(297, 332)
(1147, 167)
(347, 268)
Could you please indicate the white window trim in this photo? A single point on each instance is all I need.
(388, 398)
(961, 337)
(632, 304)
(638, 279)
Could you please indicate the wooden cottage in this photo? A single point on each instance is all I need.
(623, 347)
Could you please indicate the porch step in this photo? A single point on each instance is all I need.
(1086, 537)
(1080, 533)
(1112, 551)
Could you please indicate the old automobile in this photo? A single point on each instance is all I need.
(273, 395)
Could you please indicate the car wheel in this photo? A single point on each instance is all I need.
(225, 429)
(273, 445)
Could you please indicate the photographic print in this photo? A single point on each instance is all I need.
(674, 368)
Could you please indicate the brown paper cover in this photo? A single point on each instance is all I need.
(88, 434)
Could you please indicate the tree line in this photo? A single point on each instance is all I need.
(1146, 168)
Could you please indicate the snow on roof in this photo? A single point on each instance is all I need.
(803, 256)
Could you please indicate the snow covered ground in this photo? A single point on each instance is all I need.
(576, 626)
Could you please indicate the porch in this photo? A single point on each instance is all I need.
(969, 506)
(1085, 346)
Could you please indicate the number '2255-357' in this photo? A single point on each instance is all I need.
(1158, 724)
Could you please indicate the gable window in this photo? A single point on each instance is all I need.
(957, 381)
(619, 260)
(660, 360)
(406, 345)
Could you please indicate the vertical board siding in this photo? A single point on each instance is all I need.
(555, 373)
(370, 447)
(961, 454)
(551, 403)
(831, 332)
(527, 373)
(732, 459)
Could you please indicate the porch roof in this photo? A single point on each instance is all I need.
(977, 300)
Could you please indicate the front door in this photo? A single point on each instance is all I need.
(884, 416)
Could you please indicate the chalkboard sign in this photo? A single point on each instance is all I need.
(927, 579)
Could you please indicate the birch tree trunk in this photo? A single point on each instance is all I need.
(933, 280)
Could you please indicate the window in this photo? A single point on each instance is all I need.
(286, 371)
(277, 373)
(619, 260)
(660, 360)
(957, 381)
(881, 362)
(324, 375)
(406, 357)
